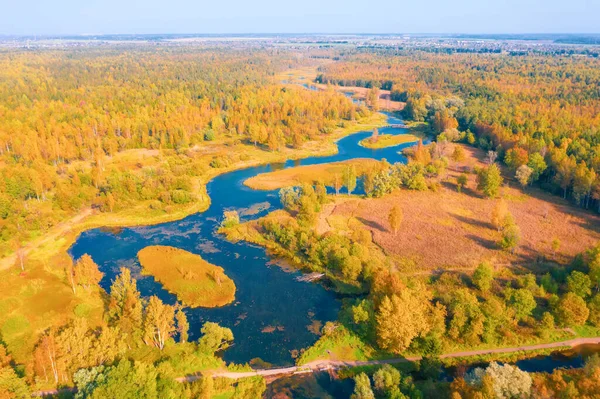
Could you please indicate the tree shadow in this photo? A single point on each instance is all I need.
(488, 244)
(371, 224)
(466, 190)
(473, 222)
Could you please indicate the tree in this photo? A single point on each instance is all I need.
(509, 381)
(499, 214)
(402, 317)
(489, 180)
(362, 387)
(12, 386)
(182, 325)
(555, 246)
(395, 218)
(537, 165)
(86, 272)
(289, 198)
(524, 174)
(491, 157)
(375, 136)
(158, 322)
(571, 310)
(461, 181)
(511, 235)
(579, 283)
(516, 157)
(46, 359)
(458, 155)
(594, 306)
(523, 302)
(386, 378)
(230, 219)
(483, 277)
(125, 306)
(350, 178)
(337, 184)
(214, 337)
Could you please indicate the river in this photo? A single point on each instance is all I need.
(272, 312)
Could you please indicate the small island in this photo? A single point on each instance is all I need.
(326, 173)
(388, 140)
(195, 282)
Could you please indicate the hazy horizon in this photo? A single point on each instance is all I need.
(96, 17)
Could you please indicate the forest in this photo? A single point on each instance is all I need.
(542, 112)
(64, 116)
(141, 130)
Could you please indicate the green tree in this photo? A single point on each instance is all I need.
(12, 386)
(537, 165)
(594, 306)
(523, 302)
(362, 387)
(489, 180)
(461, 181)
(214, 337)
(125, 306)
(511, 236)
(579, 283)
(386, 378)
(483, 277)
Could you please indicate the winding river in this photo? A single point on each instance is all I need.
(273, 311)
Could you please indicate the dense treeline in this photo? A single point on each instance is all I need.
(64, 115)
(530, 110)
(494, 381)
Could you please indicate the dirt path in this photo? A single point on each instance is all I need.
(54, 233)
(318, 365)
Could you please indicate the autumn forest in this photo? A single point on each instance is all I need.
(190, 220)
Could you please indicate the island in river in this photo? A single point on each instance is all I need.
(194, 281)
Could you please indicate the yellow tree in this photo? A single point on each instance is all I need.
(87, 273)
(182, 325)
(158, 322)
(395, 218)
(402, 317)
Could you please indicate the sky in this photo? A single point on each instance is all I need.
(61, 17)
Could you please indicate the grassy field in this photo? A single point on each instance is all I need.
(447, 229)
(195, 282)
(388, 140)
(325, 173)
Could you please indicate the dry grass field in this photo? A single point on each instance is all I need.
(194, 281)
(448, 229)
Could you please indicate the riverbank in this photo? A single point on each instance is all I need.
(40, 297)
